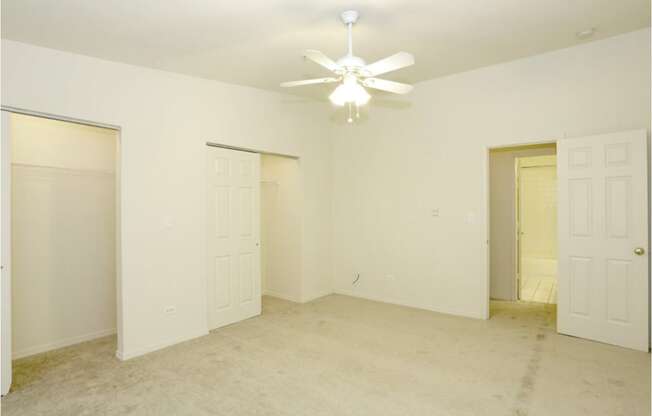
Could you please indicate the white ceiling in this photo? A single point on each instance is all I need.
(259, 42)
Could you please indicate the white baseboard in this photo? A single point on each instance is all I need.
(294, 299)
(281, 296)
(314, 297)
(127, 355)
(379, 299)
(37, 349)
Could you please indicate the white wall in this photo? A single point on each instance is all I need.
(165, 120)
(281, 209)
(63, 227)
(392, 169)
(502, 212)
(388, 172)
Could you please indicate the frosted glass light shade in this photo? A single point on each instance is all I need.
(350, 91)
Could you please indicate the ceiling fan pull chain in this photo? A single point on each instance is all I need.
(350, 119)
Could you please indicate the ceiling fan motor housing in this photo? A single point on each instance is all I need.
(351, 62)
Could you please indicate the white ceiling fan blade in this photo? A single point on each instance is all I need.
(385, 85)
(389, 64)
(308, 82)
(322, 60)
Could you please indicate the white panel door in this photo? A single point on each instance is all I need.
(603, 235)
(233, 213)
(5, 248)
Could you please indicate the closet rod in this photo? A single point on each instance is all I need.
(245, 149)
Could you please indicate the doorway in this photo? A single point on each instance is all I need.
(536, 228)
(602, 235)
(60, 235)
(513, 194)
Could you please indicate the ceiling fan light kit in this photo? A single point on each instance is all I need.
(354, 74)
(350, 91)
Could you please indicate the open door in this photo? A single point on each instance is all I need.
(603, 237)
(233, 227)
(5, 248)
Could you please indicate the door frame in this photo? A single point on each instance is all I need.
(487, 213)
(518, 269)
(6, 193)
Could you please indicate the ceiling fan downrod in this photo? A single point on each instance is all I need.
(350, 17)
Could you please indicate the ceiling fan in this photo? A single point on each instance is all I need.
(354, 74)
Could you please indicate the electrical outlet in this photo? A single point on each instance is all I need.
(390, 278)
(171, 309)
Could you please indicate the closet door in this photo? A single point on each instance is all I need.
(234, 278)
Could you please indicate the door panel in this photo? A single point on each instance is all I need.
(233, 241)
(617, 206)
(603, 208)
(246, 278)
(618, 277)
(580, 276)
(222, 287)
(580, 207)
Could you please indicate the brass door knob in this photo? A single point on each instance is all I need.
(639, 251)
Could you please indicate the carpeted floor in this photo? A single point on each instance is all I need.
(345, 356)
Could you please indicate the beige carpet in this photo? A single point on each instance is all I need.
(345, 356)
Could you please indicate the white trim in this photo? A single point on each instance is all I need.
(378, 299)
(273, 294)
(282, 296)
(5, 245)
(315, 297)
(122, 355)
(62, 343)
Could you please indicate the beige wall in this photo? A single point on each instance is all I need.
(281, 208)
(165, 121)
(429, 151)
(502, 220)
(63, 234)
